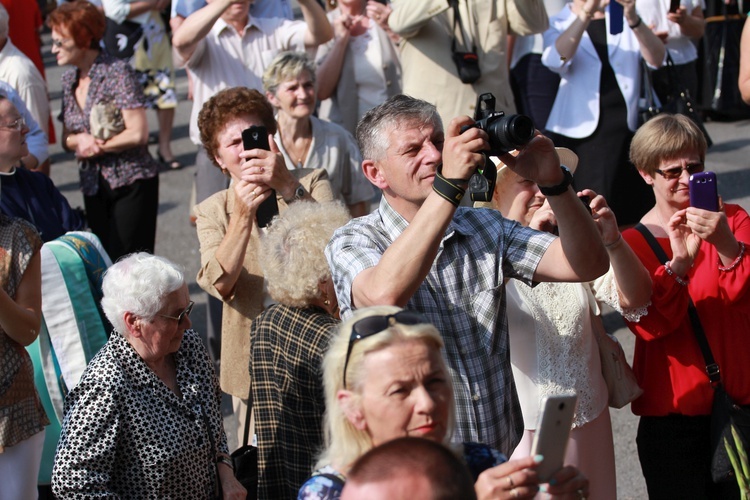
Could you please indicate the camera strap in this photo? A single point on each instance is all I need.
(457, 23)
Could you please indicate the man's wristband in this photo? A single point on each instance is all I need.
(559, 188)
(636, 24)
(448, 188)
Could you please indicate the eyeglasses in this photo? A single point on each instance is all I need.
(59, 43)
(675, 172)
(17, 125)
(182, 315)
(369, 326)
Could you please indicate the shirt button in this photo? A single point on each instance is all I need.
(450, 307)
(388, 83)
(475, 397)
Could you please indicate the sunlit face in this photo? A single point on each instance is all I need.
(295, 97)
(408, 169)
(230, 146)
(517, 198)
(64, 47)
(12, 135)
(406, 392)
(162, 336)
(674, 193)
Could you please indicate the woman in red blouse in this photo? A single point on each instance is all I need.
(708, 264)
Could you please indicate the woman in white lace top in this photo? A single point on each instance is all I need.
(553, 348)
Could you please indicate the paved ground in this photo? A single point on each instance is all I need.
(176, 239)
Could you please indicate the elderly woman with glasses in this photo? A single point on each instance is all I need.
(145, 419)
(118, 176)
(707, 263)
(385, 378)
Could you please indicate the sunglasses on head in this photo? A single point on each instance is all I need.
(182, 315)
(675, 172)
(369, 326)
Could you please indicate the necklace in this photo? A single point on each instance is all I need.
(298, 152)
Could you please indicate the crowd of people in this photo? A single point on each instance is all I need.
(361, 313)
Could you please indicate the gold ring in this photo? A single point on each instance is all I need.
(254, 193)
(514, 493)
(511, 484)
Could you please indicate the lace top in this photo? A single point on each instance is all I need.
(553, 348)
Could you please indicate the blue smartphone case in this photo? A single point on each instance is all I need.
(616, 17)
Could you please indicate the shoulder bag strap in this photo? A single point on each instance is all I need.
(457, 22)
(712, 368)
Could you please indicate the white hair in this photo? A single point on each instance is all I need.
(138, 284)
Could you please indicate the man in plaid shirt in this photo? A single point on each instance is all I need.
(420, 251)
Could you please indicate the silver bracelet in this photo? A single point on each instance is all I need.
(680, 281)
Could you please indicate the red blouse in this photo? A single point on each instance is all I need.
(668, 362)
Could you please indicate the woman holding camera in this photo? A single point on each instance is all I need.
(552, 329)
(226, 222)
(708, 265)
(385, 378)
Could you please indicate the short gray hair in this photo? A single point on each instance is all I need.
(4, 17)
(285, 66)
(139, 284)
(292, 254)
(372, 130)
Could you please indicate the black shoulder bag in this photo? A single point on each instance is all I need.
(725, 413)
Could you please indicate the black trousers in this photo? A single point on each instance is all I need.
(675, 456)
(124, 219)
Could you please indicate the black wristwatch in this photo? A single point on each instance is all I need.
(559, 188)
(299, 193)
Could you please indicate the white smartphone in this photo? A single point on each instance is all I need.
(552, 431)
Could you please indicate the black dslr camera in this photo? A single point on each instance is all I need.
(507, 132)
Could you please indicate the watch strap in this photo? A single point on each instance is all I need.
(559, 188)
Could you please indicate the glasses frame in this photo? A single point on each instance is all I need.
(17, 124)
(185, 313)
(380, 324)
(669, 173)
(60, 43)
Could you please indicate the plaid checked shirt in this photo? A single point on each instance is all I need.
(288, 344)
(463, 297)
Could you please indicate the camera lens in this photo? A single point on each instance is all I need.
(510, 132)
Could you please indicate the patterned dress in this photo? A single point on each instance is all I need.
(21, 412)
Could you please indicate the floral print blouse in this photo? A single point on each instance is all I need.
(21, 411)
(127, 435)
(112, 81)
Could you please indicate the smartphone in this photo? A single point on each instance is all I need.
(674, 5)
(552, 431)
(616, 17)
(703, 191)
(256, 137)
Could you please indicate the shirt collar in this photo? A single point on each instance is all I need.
(252, 22)
(395, 224)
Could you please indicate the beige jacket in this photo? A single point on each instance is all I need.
(246, 302)
(428, 69)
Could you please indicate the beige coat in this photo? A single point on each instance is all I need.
(246, 302)
(428, 69)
